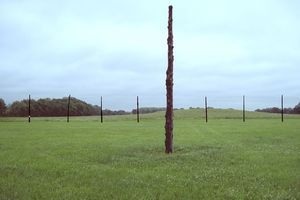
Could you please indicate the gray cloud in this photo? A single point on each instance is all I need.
(117, 49)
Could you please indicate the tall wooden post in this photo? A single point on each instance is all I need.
(101, 111)
(169, 87)
(244, 109)
(206, 118)
(137, 110)
(281, 108)
(68, 112)
(29, 102)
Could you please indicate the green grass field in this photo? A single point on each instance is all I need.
(120, 159)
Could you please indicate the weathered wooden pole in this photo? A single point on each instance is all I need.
(244, 109)
(137, 110)
(281, 108)
(68, 112)
(29, 102)
(169, 87)
(206, 118)
(101, 111)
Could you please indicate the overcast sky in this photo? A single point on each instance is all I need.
(223, 49)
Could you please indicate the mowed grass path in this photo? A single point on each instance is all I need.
(120, 159)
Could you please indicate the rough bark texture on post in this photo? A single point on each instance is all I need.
(29, 101)
(169, 87)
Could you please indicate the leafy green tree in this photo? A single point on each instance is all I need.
(2, 107)
(297, 108)
(18, 109)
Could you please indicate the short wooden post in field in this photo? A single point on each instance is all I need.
(137, 110)
(206, 118)
(101, 111)
(281, 108)
(244, 109)
(29, 102)
(68, 112)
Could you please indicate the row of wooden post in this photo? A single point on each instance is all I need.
(244, 109)
(138, 109)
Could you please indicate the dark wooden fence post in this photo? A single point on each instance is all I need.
(137, 110)
(101, 111)
(282, 108)
(169, 87)
(29, 102)
(244, 117)
(206, 118)
(68, 113)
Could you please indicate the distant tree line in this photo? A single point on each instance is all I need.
(295, 110)
(50, 107)
(145, 110)
(47, 107)
(58, 107)
(53, 107)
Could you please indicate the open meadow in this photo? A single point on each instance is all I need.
(121, 159)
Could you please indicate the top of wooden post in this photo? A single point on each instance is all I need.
(170, 10)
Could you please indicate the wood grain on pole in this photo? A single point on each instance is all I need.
(169, 87)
